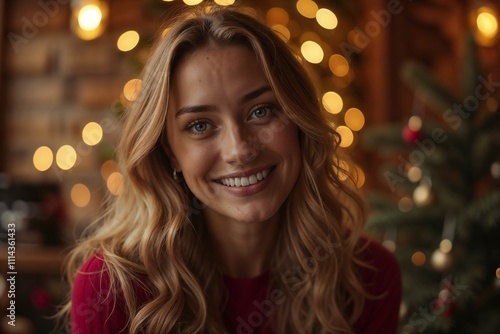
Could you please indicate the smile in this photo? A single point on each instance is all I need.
(245, 180)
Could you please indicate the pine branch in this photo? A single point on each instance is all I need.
(419, 78)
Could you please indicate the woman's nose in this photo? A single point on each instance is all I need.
(236, 146)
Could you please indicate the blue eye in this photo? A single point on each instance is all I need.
(198, 127)
(262, 112)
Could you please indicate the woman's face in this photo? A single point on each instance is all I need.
(227, 134)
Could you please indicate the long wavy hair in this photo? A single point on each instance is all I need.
(154, 228)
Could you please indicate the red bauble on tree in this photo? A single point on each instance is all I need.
(411, 136)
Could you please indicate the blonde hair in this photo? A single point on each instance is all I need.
(154, 229)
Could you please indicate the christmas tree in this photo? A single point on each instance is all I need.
(442, 214)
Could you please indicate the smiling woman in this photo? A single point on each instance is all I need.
(233, 216)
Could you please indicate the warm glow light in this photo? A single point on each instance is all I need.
(282, 32)
(405, 204)
(415, 123)
(115, 183)
(80, 195)
(498, 273)
(92, 134)
(89, 17)
(354, 119)
(338, 65)
(277, 15)
(327, 19)
(312, 52)
(342, 170)
(445, 246)
(66, 157)
(128, 40)
(224, 2)
(131, 89)
(359, 177)
(414, 174)
(487, 22)
(108, 168)
(390, 245)
(192, 2)
(307, 8)
(418, 259)
(43, 158)
(346, 135)
(332, 102)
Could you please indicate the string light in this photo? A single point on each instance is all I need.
(92, 134)
(307, 8)
(332, 102)
(346, 135)
(88, 19)
(115, 183)
(282, 32)
(405, 204)
(128, 40)
(326, 18)
(354, 119)
(131, 89)
(277, 15)
(43, 158)
(192, 2)
(80, 195)
(415, 123)
(312, 52)
(486, 24)
(225, 2)
(338, 65)
(414, 174)
(108, 168)
(445, 245)
(66, 157)
(418, 259)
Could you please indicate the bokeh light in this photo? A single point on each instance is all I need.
(108, 168)
(89, 17)
(131, 89)
(307, 8)
(418, 259)
(282, 32)
(277, 15)
(92, 133)
(192, 2)
(327, 19)
(312, 52)
(115, 183)
(445, 245)
(66, 157)
(415, 123)
(414, 174)
(332, 102)
(43, 158)
(487, 22)
(346, 135)
(224, 2)
(80, 195)
(354, 119)
(338, 65)
(405, 204)
(128, 40)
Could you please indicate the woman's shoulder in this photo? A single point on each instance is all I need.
(381, 275)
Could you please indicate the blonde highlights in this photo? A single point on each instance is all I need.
(153, 234)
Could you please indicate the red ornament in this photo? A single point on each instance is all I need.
(410, 136)
(40, 299)
(445, 305)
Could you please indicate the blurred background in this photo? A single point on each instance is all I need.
(415, 87)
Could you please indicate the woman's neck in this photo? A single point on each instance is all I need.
(244, 249)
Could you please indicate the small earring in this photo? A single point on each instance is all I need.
(176, 178)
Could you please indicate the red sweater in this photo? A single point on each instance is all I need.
(251, 302)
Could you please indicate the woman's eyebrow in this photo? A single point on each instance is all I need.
(194, 109)
(254, 94)
(207, 107)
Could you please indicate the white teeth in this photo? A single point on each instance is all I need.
(245, 181)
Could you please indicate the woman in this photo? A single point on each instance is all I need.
(233, 216)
